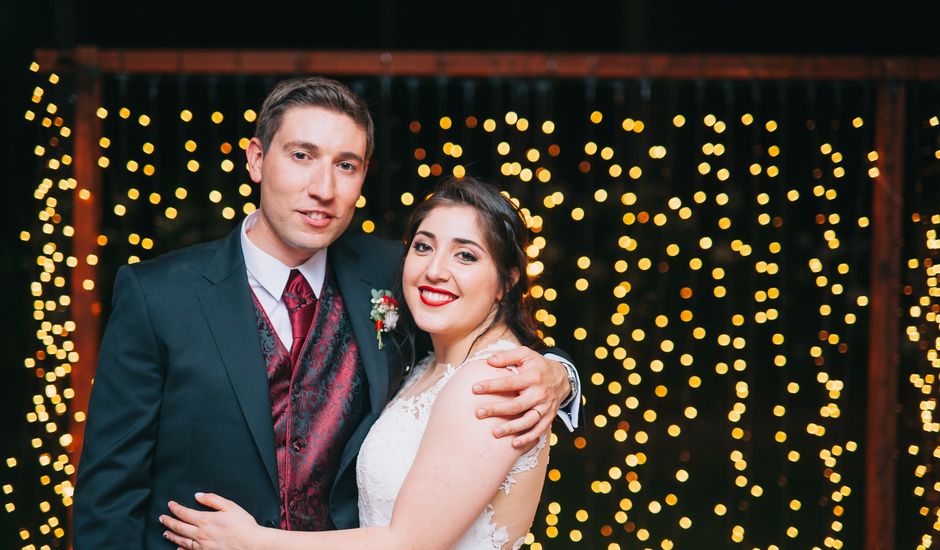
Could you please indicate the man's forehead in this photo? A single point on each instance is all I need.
(300, 118)
(311, 111)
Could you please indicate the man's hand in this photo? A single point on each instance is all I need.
(542, 386)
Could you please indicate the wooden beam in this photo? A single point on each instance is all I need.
(884, 327)
(505, 64)
(86, 218)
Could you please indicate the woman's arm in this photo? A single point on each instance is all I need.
(457, 471)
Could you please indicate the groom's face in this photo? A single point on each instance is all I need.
(311, 177)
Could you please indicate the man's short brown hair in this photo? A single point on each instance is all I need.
(313, 91)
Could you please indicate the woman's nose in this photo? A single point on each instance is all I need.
(437, 268)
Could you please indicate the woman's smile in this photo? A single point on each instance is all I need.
(436, 297)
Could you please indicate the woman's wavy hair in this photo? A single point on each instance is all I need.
(505, 237)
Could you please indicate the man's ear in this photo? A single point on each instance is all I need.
(255, 156)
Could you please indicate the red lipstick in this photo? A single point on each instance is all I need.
(435, 297)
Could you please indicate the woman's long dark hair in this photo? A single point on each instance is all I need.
(505, 237)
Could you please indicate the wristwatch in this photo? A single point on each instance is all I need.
(572, 383)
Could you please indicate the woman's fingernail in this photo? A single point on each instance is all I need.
(199, 495)
(499, 431)
(477, 387)
(481, 413)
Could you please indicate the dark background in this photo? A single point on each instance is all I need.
(666, 26)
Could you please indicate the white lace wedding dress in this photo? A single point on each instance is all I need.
(392, 444)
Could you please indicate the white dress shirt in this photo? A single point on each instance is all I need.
(267, 277)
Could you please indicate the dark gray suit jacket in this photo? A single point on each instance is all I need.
(180, 402)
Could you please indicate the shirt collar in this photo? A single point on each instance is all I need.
(270, 273)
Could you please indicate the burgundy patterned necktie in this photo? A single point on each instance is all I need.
(301, 305)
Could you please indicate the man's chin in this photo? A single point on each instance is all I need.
(313, 241)
(312, 246)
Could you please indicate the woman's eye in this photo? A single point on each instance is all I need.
(466, 256)
(421, 247)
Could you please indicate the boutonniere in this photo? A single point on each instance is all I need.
(384, 313)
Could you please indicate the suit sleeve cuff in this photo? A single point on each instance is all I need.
(569, 413)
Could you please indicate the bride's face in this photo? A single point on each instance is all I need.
(449, 279)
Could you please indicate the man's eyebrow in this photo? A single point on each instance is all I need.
(302, 144)
(349, 155)
(313, 147)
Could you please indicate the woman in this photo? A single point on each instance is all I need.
(430, 474)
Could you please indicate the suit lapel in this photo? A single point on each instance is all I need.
(227, 306)
(356, 288)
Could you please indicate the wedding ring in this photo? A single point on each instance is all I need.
(538, 412)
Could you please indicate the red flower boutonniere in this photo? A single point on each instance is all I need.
(384, 313)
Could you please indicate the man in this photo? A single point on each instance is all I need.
(222, 369)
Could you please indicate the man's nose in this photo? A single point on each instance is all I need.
(322, 183)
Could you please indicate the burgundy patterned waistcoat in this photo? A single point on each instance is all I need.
(316, 406)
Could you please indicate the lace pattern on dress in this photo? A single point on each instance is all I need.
(391, 446)
(526, 462)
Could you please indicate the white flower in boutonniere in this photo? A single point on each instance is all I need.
(384, 313)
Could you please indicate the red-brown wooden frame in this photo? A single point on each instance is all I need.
(890, 73)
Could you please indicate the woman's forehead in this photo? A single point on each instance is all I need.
(451, 220)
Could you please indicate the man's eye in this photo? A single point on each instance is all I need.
(347, 166)
(300, 155)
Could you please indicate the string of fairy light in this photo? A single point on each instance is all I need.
(615, 345)
(51, 363)
(653, 367)
(921, 373)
